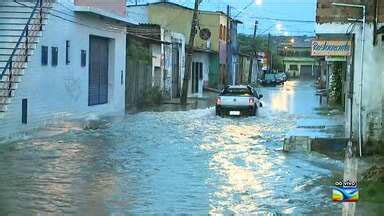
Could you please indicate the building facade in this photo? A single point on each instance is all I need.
(73, 68)
(296, 56)
(363, 65)
(158, 53)
(210, 62)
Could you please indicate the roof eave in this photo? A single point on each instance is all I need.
(103, 13)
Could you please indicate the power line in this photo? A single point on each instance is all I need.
(245, 8)
(284, 20)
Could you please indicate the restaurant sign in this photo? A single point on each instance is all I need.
(331, 48)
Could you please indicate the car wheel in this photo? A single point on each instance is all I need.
(254, 110)
(219, 112)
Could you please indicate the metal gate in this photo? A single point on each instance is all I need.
(306, 72)
(175, 71)
(197, 75)
(98, 71)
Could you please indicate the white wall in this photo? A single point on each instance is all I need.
(162, 57)
(156, 62)
(373, 88)
(60, 92)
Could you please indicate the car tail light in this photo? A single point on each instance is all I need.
(251, 101)
(218, 101)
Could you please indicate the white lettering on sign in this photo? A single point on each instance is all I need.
(331, 48)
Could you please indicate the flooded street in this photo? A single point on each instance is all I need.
(175, 163)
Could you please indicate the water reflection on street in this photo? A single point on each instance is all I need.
(173, 163)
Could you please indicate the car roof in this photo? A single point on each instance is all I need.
(237, 86)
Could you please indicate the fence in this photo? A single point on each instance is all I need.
(138, 81)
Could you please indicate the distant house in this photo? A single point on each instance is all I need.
(296, 57)
(68, 65)
(244, 63)
(210, 65)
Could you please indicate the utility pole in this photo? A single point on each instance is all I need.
(229, 47)
(188, 66)
(253, 55)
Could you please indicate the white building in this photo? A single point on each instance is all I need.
(167, 61)
(171, 62)
(75, 64)
(372, 96)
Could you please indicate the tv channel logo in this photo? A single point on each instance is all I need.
(345, 192)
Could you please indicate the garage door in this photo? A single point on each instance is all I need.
(98, 71)
(306, 72)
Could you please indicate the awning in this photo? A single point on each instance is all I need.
(196, 49)
(333, 36)
(149, 39)
(380, 30)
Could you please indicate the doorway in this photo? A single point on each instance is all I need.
(197, 76)
(98, 70)
(175, 71)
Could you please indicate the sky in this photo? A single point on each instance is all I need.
(248, 11)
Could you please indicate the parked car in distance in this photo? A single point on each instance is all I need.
(269, 79)
(238, 100)
(281, 78)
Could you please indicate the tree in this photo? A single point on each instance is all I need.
(250, 46)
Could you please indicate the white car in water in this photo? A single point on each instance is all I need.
(238, 100)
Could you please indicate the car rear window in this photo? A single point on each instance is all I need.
(237, 92)
(269, 76)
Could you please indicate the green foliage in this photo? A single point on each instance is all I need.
(249, 46)
(152, 96)
(336, 84)
(138, 50)
(277, 62)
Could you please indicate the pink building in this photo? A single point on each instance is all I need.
(113, 6)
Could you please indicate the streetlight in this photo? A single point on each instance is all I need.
(259, 2)
(363, 20)
(279, 26)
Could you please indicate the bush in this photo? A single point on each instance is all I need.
(336, 84)
(153, 96)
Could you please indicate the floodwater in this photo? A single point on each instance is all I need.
(173, 162)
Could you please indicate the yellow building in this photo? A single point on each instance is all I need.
(210, 56)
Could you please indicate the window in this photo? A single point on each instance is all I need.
(200, 65)
(293, 67)
(24, 111)
(44, 55)
(67, 54)
(221, 32)
(55, 56)
(83, 58)
(237, 92)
